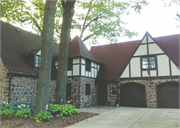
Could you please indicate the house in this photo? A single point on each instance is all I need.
(141, 73)
(127, 65)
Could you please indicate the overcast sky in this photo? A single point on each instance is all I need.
(155, 18)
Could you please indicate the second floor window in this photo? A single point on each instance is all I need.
(88, 65)
(37, 61)
(148, 62)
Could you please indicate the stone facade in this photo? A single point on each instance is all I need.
(113, 91)
(151, 96)
(4, 83)
(78, 91)
(23, 89)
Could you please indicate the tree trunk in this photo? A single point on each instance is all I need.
(68, 12)
(42, 93)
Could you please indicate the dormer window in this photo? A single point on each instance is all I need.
(37, 61)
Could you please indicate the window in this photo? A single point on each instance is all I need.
(69, 64)
(37, 61)
(88, 65)
(149, 62)
(87, 89)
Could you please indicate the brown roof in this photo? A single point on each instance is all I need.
(171, 45)
(15, 44)
(116, 56)
(77, 48)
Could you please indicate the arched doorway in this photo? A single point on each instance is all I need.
(132, 95)
(168, 95)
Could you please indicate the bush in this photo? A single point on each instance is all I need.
(7, 112)
(17, 106)
(23, 113)
(66, 109)
(43, 116)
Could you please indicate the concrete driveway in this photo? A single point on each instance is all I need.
(131, 117)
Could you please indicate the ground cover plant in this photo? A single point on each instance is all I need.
(19, 115)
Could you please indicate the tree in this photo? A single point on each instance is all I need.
(29, 12)
(42, 93)
(68, 12)
(103, 18)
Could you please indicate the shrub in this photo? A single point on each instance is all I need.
(7, 112)
(66, 109)
(43, 116)
(23, 113)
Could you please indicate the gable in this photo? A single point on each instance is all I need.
(149, 49)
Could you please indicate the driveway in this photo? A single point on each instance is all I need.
(131, 117)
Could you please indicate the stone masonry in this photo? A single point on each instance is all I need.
(4, 82)
(78, 91)
(151, 96)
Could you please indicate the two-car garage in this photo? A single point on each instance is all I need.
(134, 95)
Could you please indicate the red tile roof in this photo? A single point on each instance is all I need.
(116, 56)
(77, 48)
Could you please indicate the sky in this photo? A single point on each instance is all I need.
(155, 18)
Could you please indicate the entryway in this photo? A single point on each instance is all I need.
(132, 95)
(168, 95)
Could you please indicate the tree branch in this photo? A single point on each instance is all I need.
(82, 31)
(95, 19)
(36, 24)
(87, 37)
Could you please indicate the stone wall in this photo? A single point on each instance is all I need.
(4, 82)
(78, 91)
(23, 89)
(113, 91)
(151, 96)
(88, 100)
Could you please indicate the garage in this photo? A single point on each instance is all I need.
(132, 95)
(168, 95)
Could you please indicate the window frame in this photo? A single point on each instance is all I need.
(148, 62)
(37, 63)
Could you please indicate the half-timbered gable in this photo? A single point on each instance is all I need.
(149, 55)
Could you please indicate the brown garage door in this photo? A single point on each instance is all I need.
(132, 95)
(168, 95)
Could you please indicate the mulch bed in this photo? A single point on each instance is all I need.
(60, 122)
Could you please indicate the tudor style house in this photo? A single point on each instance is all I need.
(141, 73)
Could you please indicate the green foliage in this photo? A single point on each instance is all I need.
(66, 109)
(103, 18)
(7, 112)
(43, 116)
(23, 113)
(17, 106)
(29, 12)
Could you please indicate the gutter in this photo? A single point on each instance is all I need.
(10, 77)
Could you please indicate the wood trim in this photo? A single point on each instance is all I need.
(170, 68)
(152, 78)
(80, 67)
(150, 55)
(163, 50)
(129, 70)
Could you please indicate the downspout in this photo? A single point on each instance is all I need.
(10, 77)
